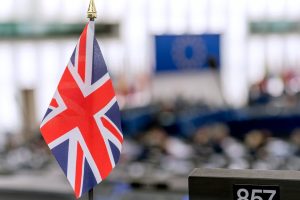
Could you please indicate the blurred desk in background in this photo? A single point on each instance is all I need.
(35, 185)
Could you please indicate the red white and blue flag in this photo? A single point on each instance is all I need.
(82, 124)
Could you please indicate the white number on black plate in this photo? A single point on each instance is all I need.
(253, 192)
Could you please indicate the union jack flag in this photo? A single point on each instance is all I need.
(82, 124)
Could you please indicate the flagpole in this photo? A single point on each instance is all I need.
(91, 194)
(92, 15)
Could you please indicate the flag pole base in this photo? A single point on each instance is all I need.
(91, 194)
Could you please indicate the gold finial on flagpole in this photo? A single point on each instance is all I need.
(92, 13)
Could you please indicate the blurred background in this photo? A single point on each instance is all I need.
(201, 83)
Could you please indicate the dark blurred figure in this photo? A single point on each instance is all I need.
(294, 160)
(255, 142)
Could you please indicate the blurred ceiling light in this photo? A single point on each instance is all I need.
(50, 10)
(6, 10)
(276, 9)
(292, 9)
(115, 9)
(74, 10)
(24, 8)
(135, 35)
(198, 13)
(158, 10)
(178, 15)
(218, 15)
(257, 9)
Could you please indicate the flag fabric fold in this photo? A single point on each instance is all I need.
(82, 125)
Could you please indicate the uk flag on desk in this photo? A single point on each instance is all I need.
(82, 124)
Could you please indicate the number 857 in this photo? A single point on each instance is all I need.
(243, 194)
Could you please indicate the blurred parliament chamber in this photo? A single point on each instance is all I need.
(257, 37)
(239, 110)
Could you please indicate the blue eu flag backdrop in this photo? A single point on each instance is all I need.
(187, 52)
